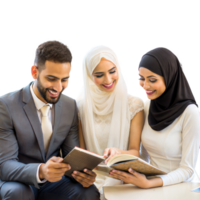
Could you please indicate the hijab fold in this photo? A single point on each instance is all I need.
(177, 96)
(95, 102)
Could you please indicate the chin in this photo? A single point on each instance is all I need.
(52, 100)
(109, 91)
(151, 97)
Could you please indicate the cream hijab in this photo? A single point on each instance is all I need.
(94, 101)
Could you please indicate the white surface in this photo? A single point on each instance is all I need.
(181, 191)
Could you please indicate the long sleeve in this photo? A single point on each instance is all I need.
(10, 168)
(190, 148)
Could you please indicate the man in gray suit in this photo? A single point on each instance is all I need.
(36, 123)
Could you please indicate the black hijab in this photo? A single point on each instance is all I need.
(177, 96)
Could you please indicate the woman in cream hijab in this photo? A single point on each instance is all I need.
(111, 121)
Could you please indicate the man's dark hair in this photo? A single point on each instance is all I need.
(52, 51)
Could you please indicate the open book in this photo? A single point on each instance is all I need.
(80, 159)
(125, 161)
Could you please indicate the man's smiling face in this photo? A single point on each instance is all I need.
(51, 80)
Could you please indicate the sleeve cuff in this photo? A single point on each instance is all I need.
(37, 176)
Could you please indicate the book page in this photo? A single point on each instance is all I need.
(121, 157)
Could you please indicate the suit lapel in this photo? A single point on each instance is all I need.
(57, 116)
(32, 115)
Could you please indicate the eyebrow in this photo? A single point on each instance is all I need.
(149, 76)
(51, 76)
(103, 72)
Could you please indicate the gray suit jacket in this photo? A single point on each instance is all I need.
(21, 138)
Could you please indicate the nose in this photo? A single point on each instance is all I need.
(58, 86)
(146, 85)
(108, 79)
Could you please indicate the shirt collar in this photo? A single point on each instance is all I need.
(38, 103)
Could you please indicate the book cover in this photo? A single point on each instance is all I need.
(125, 161)
(139, 166)
(80, 159)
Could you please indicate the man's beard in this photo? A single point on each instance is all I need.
(43, 92)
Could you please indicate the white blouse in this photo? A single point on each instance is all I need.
(102, 129)
(174, 149)
(102, 123)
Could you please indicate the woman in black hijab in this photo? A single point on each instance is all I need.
(171, 133)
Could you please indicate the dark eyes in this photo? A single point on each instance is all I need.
(151, 80)
(53, 79)
(99, 76)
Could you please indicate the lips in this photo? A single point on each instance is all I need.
(52, 93)
(109, 86)
(150, 92)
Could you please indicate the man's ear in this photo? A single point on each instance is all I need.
(34, 72)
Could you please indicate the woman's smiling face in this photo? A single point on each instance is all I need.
(105, 75)
(152, 83)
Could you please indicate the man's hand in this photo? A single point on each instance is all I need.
(85, 179)
(53, 169)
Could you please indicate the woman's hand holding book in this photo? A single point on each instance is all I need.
(110, 152)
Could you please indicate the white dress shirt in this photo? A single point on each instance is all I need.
(39, 104)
